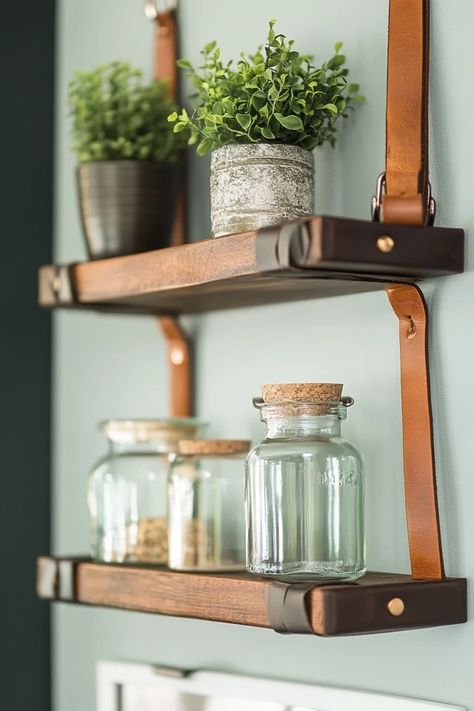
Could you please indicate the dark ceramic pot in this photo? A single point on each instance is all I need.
(126, 206)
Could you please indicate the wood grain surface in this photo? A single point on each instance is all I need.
(333, 609)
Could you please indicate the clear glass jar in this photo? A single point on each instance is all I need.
(127, 490)
(304, 494)
(206, 506)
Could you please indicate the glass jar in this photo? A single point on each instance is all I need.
(304, 488)
(206, 505)
(127, 490)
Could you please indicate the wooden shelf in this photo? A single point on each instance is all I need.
(322, 256)
(332, 609)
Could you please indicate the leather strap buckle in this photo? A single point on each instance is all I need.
(380, 191)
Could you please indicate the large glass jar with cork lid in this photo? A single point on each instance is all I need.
(127, 489)
(206, 505)
(304, 488)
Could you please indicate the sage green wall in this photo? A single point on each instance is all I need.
(111, 366)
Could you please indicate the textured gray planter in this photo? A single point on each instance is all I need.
(257, 185)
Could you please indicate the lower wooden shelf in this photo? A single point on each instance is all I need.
(362, 607)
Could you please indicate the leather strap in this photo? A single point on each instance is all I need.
(166, 54)
(421, 503)
(406, 161)
(178, 348)
(179, 363)
(166, 50)
(286, 607)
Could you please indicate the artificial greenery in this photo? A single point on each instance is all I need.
(273, 96)
(115, 116)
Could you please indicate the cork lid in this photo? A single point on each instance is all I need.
(302, 392)
(213, 446)
(166, 431)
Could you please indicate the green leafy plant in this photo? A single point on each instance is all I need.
(116, 117)
(273, 96)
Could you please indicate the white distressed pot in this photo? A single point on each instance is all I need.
(260, 184)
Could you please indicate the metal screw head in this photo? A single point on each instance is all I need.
(385, 243)
(396, 606)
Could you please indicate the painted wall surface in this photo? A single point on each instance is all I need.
(111, 366)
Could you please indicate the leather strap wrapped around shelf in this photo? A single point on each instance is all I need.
(286, 607)
(406, 171)
(421, 503)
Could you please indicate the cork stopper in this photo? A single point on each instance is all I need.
(214, 446)
(302, 392)
(166, 432)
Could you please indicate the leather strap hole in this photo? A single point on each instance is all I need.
(411, 332)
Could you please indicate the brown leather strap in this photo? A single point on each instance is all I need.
(179, 355)
(166, 54)
(166, 50)
(406, 170)
(421, 503)
(179, 362)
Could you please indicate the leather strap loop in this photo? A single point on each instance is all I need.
(406, 160)
(421, 502)
(286, 606)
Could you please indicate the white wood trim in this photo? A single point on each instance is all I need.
(299, 697)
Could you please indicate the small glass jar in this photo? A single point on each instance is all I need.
(304, 488)
(127, 490)
(206, 506)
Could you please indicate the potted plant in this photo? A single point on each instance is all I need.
(127, 154)
(261, 119)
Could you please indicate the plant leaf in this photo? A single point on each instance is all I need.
(267, 133)
(330, 107)
(204, 147)
(244, 120)
(292, 122)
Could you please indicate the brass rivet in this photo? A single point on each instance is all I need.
(385, 244)
(396, 606)
(177, 356)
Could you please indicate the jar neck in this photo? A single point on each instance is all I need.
(302, 426)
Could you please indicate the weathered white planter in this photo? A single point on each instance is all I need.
(260, 184)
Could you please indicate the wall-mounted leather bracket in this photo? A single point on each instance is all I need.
(178, 346)
(165, 56)
(166, 50)
(424, 537)
(180, 366)
(286, 607)
(403, 193)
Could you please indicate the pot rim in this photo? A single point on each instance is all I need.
(125, 161)
(258, 144)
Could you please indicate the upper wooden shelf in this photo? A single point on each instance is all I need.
(322, 256)
(332, 609)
